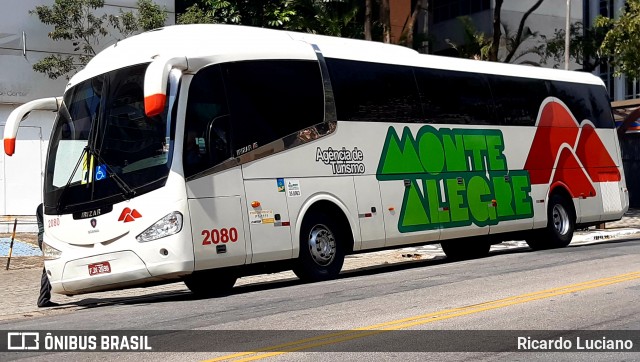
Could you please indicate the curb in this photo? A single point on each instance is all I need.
(599, 235)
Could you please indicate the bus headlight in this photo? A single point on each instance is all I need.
(49, 252)
(168, 225)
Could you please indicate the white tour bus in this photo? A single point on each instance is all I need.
(207, 152)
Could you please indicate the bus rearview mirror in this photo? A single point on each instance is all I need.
(155, 83)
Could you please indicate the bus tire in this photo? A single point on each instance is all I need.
(467, 249)
(210, 283)
(322, 248)
(561, 223)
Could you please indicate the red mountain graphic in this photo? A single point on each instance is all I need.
(594, 156)
(556, 127)
(569, 170)
(560, 138)
(128, 215)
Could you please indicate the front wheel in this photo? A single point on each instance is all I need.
(561, 223)
(322, 243)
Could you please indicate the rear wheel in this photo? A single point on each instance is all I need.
(210, 283)
(466, 249)
(322, 242)
(561, 223)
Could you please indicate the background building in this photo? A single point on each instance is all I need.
(23, 42)
(551, 15)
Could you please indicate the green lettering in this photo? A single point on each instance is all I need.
(430, 150)
(433, 198)
(522, 200)
(476, 144)
(399, 157)
(413, 211)
(456, 160)
(504, 196)
(495, 158)
(431, 163)
(477, 189)
(457, 211)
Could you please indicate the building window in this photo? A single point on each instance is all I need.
(606, 74)
(606, 8)
(632, 89)
(449, 9)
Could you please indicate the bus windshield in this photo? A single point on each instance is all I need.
(103, 147)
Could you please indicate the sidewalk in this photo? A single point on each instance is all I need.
(21, 283)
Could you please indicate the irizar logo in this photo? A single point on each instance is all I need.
(454, 177)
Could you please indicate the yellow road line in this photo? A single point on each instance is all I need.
(343, 336)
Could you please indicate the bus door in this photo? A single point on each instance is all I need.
(217, 224)
(370, 212)
(213, 177)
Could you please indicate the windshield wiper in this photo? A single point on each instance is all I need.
(127, 191)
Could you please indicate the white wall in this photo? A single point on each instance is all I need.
(21, 174)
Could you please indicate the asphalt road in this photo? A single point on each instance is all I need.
(391, 312)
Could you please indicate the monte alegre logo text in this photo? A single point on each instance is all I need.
(454, 177)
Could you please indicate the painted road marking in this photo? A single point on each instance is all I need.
(343, 336)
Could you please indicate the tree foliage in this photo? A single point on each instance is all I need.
(272, 14)
(584, 46)
(524, 33)
(622, 41)
(76, 21)
(329, 17)
(477, 45)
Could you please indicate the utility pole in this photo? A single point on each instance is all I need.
(567, 36)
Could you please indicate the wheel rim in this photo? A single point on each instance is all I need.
(322, 245)
(560, 219)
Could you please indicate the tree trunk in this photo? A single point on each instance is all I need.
(518, 38)
(497, 32)
(367, 19)
(385, 19)
(408, 30)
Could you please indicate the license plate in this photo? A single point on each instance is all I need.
(99, 268)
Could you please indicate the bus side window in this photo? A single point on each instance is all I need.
(517, 99)
(584, 102)
(271, 99)
(206, 112)
(374, 92)
(217, 139)
(452, 97)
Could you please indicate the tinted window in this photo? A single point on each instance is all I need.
(206, 135)
(585, 101)
(105, 115)
(366, 91)
(272, 99)
(455, 97)
(518, 100)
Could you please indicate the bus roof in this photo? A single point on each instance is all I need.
(235, 42)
